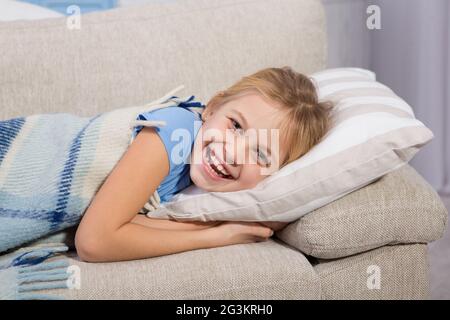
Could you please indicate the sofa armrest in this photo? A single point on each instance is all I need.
(400, 207)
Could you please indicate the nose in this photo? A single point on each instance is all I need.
(224, 151)
(234, 150)
(229, 154)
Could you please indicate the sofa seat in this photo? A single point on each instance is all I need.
(260, 271)
(264, 270)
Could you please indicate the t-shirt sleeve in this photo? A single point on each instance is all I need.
(177, 134)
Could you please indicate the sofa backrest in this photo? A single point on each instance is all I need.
(133, 55)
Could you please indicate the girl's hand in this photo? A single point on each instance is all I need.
(275, 225)
(235, 232)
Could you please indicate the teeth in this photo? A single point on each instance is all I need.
(218, 165)
(221, 169)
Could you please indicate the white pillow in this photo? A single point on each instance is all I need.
(374, 133)
(16, 10)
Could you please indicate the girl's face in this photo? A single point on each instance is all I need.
(239, 139)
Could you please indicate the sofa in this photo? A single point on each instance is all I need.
(369, 244)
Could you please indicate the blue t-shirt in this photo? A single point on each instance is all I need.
(178, 136)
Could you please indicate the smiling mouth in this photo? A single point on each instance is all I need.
(215, 167)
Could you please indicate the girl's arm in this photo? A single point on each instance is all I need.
(171, 224)
(106, 231)
(191, 225)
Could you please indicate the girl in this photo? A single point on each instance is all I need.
(271, 99)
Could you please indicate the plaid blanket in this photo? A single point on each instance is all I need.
(51, 166)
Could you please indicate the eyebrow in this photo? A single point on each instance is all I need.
(244, 120)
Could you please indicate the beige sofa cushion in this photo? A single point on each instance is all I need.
(264, 270)
(401, 207)
(133, 55)
(389, 272)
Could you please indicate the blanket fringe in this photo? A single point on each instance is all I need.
(24, 273)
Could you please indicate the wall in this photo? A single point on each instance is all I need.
(349, 42)
(411, 55)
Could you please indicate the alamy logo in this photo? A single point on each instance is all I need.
(74, 17)
(374, 19)
(74, 280)
(374, 278)
(252, 146)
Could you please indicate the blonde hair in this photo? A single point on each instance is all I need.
(307, 120)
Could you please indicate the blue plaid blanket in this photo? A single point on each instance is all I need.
(51, 166)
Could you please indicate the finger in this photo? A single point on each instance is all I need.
(275, 225)
(262, 231)
(260, 239)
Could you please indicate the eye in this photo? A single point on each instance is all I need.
(236, 125)
(262, 157)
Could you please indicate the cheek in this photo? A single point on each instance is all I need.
(196, 175)
(218, 123)
(193, 174)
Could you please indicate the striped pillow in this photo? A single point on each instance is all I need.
(374, 133)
